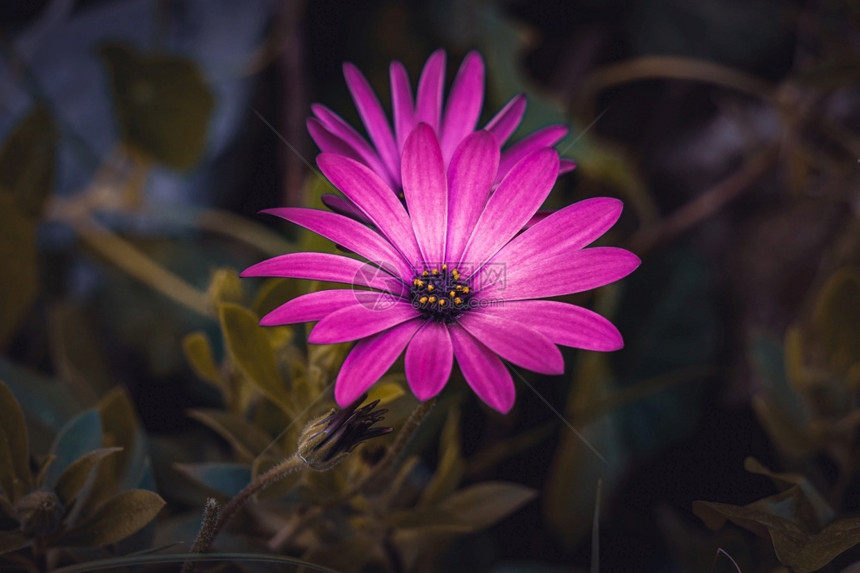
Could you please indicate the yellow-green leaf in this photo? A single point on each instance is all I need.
(119, 429)
(27, 161)
(225, 286)
(451, 463)
(486, 503)
(75, 476)
(15, 475)
(198, 352)
(163, 104)
(116, 519)
(247, 439)
(835, 318)
(251, 351)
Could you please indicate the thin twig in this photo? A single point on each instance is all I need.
(703, 206)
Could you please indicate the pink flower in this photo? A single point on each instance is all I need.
(452, 276)
(453, 121)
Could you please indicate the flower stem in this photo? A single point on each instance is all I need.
(214, 522)
(410, 426)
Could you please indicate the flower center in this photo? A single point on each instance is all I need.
(440, 294)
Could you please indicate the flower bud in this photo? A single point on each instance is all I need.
(39, 512)
(326, 441)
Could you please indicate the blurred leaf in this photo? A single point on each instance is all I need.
(385, 392)
(768, 358)
(12, 541)
(273, 293)
(19, 271)
(224, 479)
(120, 428)
(76, 353)
(119, 517)
(82, 434)
(571, 486)
(15, 477)
(451, 463)
(250, 349)
(835, 319)
(73, 479)
(788, 437)
(818, 511)
(27, 161)
(795, 546)
(225, 286)
(47, 401)
(246, 439)
(484, 504)
(163, 104)
(198, 352)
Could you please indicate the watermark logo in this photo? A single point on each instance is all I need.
(379, 276)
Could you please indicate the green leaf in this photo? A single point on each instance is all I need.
(12, 541)
(225, 479)
(484, 504)
(817, 513)
(19, 271)
(15, 477)
(225, 286)
(162, 102)
(250, 349)
(82, 434)
(811, 553)
(116, 519)
(198, 352)
(246, 439)
(451, 464)
(75, 476)
(28, 159)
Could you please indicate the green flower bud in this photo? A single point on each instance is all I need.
(326, 441)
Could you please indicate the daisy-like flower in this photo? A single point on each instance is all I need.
(450, 275)
(453, 121)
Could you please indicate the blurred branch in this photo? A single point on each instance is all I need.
(292, 68)
(241, 229)
(704, 205)
(670, 67)
(131, 260)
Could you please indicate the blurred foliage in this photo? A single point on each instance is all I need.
(79, 494)
(747, 300)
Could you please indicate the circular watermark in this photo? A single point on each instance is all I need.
(383, 279)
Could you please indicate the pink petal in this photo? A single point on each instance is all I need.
(538, 217)
(561, 274)
(326, 267)
(429, 359)
(546, 137)
(464, 104)
(335, 125)
(426, 190)
(328, 142)
(376, 312)
(516, 199)
(564, 324)
(566, 166)
(567, 229)
(312, 306)
(514, 341)
(484, 371)
(401, 102)
(470, 177)
(343, 206)
(508, 119)
(429, 104)
(349, 234)
(370, 194)
(369, 359)
(373, 117)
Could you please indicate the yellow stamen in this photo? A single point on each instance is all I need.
(459, 287)
(458, 300)
(430, 288)
(442, 301)
(425, 274)
(423, 300)
(452, 293)
(444, 267)
(435, 271)
(465, 290)
(432, 299)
